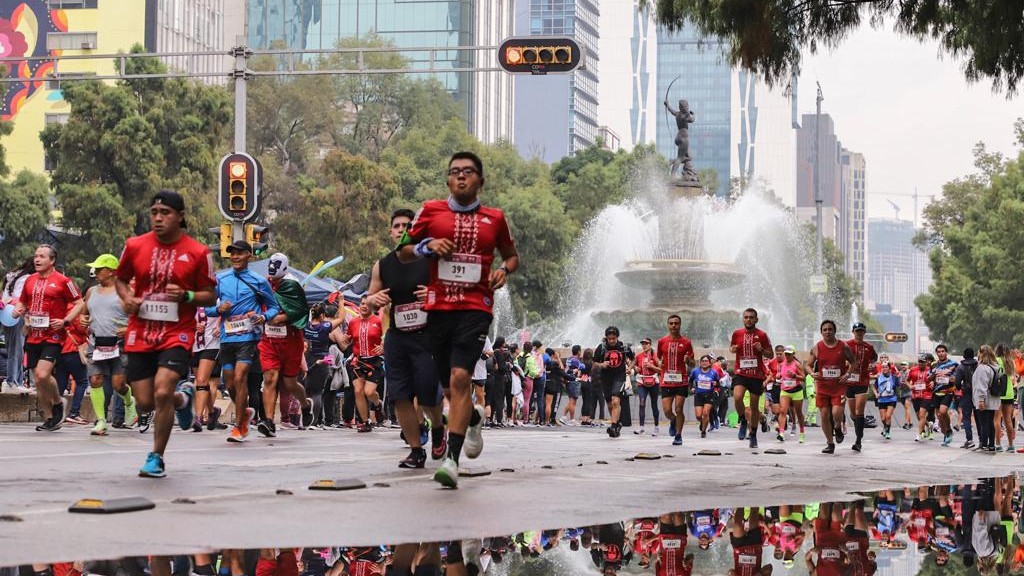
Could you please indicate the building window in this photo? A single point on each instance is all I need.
(71, 4)
(71, 41)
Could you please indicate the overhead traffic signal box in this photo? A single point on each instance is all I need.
(895, 337)
(540, 55)
(240, 180)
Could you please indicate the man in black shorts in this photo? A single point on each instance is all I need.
(460, 236)
(751, 346)
(173, 274)
(613, 358)
(412, 375)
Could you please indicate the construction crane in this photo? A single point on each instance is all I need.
(895, 208)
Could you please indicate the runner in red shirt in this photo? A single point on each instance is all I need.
(747, 539)
(366, 335)
(50, 301)
(460, 236)
(751, 346)
(172, 274)
(647, 379)
(670, 547)
(829, 543)
(675, 354)
(862, 560)
(829, 364)
(859, 378)
(921, 396)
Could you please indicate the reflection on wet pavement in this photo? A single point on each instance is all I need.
(958, 529)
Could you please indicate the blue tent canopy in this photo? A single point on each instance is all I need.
(316, 290)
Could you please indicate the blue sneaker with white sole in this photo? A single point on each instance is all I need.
(154, 466)
(185, 415)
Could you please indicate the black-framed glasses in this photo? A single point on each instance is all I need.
(467, 171)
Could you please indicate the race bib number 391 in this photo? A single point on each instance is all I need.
(461, 269)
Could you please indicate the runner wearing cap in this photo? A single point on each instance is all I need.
(703, 379)
(859, 378)
(791, 385)
(647, 383)
(283, 344)
(108, 323)
(246, 301)
(49, 301)
(830, 362)
(460, 237)
(172, 274)
(675, 355)
(751, 347)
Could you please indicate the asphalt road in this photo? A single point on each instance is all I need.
(221, 495)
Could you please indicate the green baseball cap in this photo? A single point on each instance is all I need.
(104, 261)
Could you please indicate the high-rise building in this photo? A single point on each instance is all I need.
(556, 115)
(830, 175)
(630, 106)
(484, 98)
(897, 273)
(494, 92)
(854, 241)
(199, 26)
(41, 28)
(696, 70)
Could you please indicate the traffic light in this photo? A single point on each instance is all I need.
(223, 234)
(895, 337)
(540, 55)
(258, 237)
(240, 180)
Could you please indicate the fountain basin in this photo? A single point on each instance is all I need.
(704, 326)
(679, 283)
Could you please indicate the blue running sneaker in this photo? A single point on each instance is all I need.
(677, 441)
(424, 433)
(672, 427)
(154, 467)
(185, 416)
(743, 430)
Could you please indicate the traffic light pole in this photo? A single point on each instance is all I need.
(240, 75)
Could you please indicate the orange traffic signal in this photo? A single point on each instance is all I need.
(895, 337)
(540, 55)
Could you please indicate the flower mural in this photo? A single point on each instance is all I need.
(24, 25)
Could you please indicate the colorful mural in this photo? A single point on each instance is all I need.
(23, 29)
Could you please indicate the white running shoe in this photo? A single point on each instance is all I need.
(474, 443)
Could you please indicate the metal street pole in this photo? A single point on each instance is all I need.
(240, 75)
(817, 181)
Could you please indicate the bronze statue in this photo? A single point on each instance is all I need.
(684, 117)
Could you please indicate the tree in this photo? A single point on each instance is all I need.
(768, 36)
(122, 143)
(976, 241)
(25, 206)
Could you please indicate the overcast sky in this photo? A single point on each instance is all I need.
(909, 110)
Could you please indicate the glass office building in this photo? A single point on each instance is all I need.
(321, 24)
(705, 80)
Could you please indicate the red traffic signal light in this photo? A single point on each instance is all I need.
(239, 194)
(540, 55)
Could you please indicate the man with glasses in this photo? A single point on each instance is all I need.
(459, 237)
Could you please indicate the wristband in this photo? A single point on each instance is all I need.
(505, 269)
(189, 296)
(421, 249)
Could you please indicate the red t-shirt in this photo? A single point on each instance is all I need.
(462, 281)
(644, 362)
(153, 265)
(76, 336)
(673, 353)
(864, 357)
(746, 560)
(366, 335)
(47, 299)
(748, 362)
(831, 543)
(671, 551)
(831, 362)
(917, 379)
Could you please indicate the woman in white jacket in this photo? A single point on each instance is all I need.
(985, 403)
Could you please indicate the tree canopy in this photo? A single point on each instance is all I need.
(976, 240)
(768, 36)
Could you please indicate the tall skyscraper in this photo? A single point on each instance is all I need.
(557, 115)
(630, 106)
(897, 272)
(704, 78)
(830, 175)
(321, 24)
(854, 237)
